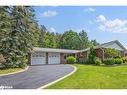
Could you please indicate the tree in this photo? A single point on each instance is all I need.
(21, 33)
(57, 39)
(48, 39)
(94, 43)
(84, 39)
(42, 35)
(70, 40)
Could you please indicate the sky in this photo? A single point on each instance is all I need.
(103, 23)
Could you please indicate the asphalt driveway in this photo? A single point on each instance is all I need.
(35, 76)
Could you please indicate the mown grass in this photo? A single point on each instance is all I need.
(94, 77)
(10, 70)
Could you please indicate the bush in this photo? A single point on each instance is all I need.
(22, 65)
(71, 59)
(109, 61)
(117, 56)
(97, 61)
(124, 59)
(118, 61)
(110, 53)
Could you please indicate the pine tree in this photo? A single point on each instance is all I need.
(21, 35)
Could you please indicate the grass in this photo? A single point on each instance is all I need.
(10, 70)
(94, 77)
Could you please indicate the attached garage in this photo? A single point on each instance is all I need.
(42, 56)
(38, 58)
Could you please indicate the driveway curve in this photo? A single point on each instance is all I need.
(35, 76)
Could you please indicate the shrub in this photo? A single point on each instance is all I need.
(71, 59)
(124, 59)
(118, 61)
(109, 61)
(97, 61)
(110, 53)
(117, 56)
(22, 65)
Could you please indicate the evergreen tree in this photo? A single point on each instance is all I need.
(84, 39)
(22, 34)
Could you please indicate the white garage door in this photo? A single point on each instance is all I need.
(38, 58)
(53, 58)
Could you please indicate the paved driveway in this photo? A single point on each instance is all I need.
(35, 76)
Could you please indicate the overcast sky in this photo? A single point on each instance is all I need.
(101, 23)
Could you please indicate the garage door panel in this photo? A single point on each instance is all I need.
(54, 58)
(38, 58)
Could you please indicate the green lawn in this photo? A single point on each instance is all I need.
(6, 71)
(94, 77)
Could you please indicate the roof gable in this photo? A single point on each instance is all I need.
(113, 44)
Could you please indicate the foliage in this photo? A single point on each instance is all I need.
(19, 31)
(110, 53)
(109, 61)
(118, 61)
(93, 43)
(71, 59)
(117, 56)
(51, 40)
(70, 40)
(91, 56)
(84, 41)
(22, 65)
(97, 61)
(2, 59)
(124, 59)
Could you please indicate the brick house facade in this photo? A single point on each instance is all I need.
(59, 55)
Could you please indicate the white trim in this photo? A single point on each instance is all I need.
(15, 72)
(75, 69)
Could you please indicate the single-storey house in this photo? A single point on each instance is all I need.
(57, 56)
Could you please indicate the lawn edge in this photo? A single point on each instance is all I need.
(75, 69)
(15, 72)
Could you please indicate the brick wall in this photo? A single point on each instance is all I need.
(122, 53)
(62, 61)
(84, 55)
(99, 53)
(125, 54)
(46, 58)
